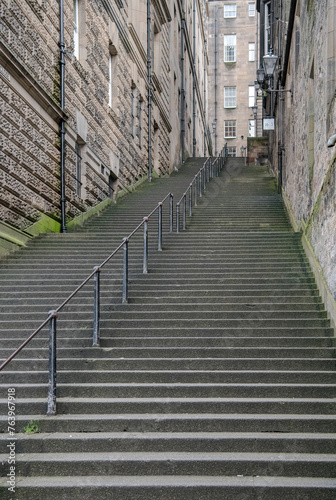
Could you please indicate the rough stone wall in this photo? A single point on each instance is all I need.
(309, 165)
(110, 132)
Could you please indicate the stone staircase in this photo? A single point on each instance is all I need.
(216, 380)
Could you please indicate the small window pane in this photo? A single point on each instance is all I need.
(232, 151)
(252, 9)
(75, 28)
(230, 129)
(230, 97)
(252, 131)
(230, 10)
(229, 48)
(251, 96)
(251, 52)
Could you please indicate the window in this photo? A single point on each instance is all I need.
(252, 131)
(230, 129)
(112, 84)
(133, 110)
(251, 52)
(232, 151)
(75, 27)
(140, 120)
(230, 97)
(229, 48)
(230, 10)
(78, 173)
(267, 33)
(251, 96)
(252, 9)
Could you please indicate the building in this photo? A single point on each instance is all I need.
(300, 95)
(232, 49)
(81, 80)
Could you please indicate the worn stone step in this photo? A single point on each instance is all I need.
(181, 422)
(177, 487)
(179, 390)
(190, 442)
(177, 405)
(24, 361)
(156, 463)
(172, 376)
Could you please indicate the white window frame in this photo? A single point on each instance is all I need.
(252, 128)
(76, 28)
(267, 33)
(251, 54)
(230, 11)
(110, 89)
(231, 127)
(230, 97)
(230, 48)
(251, 96)
(232, 151)
(251, 9)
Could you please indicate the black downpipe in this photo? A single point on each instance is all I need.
(194, 78)
(182, 85)
(204, 104)
(216, 82)
(62, 125)
(149, 77)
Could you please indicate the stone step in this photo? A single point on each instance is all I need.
(172, 376)
(177, 487)
(180, 422)
(166, 463)
(189, 442)
(178, 390)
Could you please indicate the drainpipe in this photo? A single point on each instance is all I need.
(62, 125)
(182, 85)
(204, 103)
(194, 79)
(216, 81)
(149, 81)
(280, 104)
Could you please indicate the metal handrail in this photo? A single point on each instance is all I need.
(211, 168)
(52, 315)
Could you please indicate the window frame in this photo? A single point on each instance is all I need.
(228, 57)
(251, 51)
(252, 128)
(76, 28)
(228, 10)
(253, 10)
(230, 126)
(251, 89)
(228, 97)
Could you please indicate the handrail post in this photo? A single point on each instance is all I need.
(195, 190)
(217, 168)
(52, 364)
(204, 177)
(177, 217)
(184, 212)
(96, 308)
(200, 183)
(125, 272)
(190, 200)
(160, 228)
(145, 254)
(171, 213)
(208, 169)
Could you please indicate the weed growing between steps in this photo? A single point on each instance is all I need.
(33, 427)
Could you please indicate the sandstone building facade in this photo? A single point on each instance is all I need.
(105, 114)
(232, 49)
(302, 147)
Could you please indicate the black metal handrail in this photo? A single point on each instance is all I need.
(52, 315)
(210, 169)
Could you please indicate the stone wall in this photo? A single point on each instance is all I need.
(309, 175)
(106, 101)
